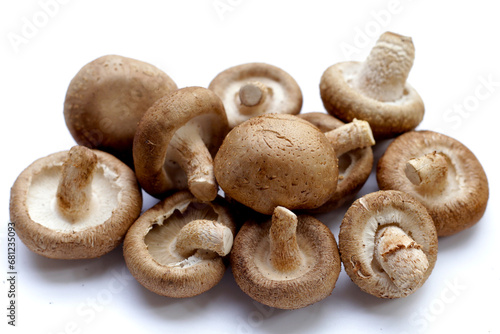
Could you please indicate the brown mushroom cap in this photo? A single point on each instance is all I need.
(199, 115)
(457, 200)
(269, 89)
(114, 204)
(344, 96)
(152, 256)
(354, 166)
(277, 160)
(359, 239)
(107, 98)
(313, 278)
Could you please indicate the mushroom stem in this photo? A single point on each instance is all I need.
(383, 74)
(285, 255)
(192, 155)
(204, 234)
(428, 171)
(400, 257)
(74, 192)
(351, 136)
(252, 97)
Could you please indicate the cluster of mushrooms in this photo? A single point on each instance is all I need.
(244, 137)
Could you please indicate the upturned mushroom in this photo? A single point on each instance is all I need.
(388, 244)
(440, 172)
(107, 98)
(354, 166)
(282, 160)
(176, 248)
(176, 140)
(288, 262)
(255, 89)
(75, 204)
(376, 90)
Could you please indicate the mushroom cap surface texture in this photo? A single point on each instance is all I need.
(149, 247)
(368, 215)
(283, 93)
(463, 199)
(191, 106)
(313, 281)
(277, 160)
(115, 205)
(107, 98)
(387, 119)
(354, 166)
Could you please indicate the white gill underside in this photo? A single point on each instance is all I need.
(41, 200)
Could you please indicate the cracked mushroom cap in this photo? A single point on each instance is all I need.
(376, 90)
(277, 160)
(440, 172)
(254, 89)
(176, 248)
(75, 204)
(287, 262)
(107, 98)
(176, 140)
(388, 244)
(354, 166)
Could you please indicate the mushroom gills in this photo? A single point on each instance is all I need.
(162, 238)
(43, 207)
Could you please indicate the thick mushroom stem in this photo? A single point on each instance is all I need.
(74, 192)
(351, 136)
(401, 258)
(192, 155)
(285, 255)
(383, 74)
(252, 97)
(203, 234)
(428, 171)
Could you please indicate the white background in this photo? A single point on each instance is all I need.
(456, 72)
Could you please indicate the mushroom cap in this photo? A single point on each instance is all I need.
(358, 229)
(354, 166)
(149, 252)
(197, 106)
(387, 119)
(116, 204)
(463, 201)
(107, 98)
(312, 282)
(285, 96)
(277, 160)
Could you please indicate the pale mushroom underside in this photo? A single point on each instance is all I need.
(41, 199)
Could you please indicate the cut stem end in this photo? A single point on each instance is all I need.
(252, 97)
(401, 258)
(351, 136)
(428, 171)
